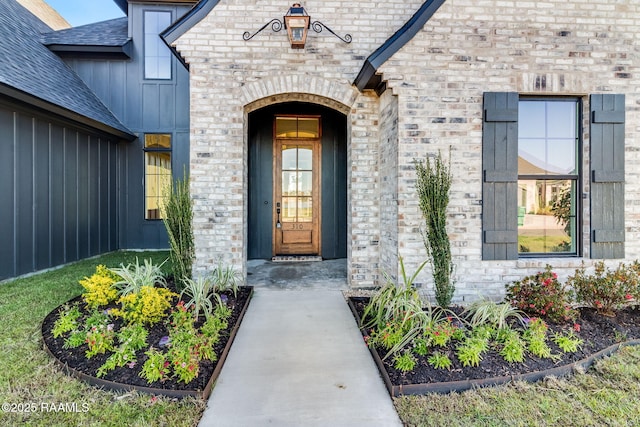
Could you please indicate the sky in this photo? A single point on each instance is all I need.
(81, 12)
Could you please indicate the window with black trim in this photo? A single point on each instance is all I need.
(531, 169)
(157, 56)
(548, 176)
(157, 173)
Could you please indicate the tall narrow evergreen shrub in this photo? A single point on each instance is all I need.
(433, 185)
(178, 220)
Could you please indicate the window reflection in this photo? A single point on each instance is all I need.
(546, 216)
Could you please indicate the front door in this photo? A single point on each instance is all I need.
(297, 190)
(297, 198)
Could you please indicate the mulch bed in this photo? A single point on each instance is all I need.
(597, 331)
(75, 359)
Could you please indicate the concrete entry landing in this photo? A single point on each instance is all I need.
(329, 274)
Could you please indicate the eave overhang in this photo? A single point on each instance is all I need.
(115, 52)
(368, 77)
(32, 101)
(185, 23)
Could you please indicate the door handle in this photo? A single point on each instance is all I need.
(278, 224)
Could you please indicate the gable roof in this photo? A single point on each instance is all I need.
(107, 37)
(368, 77)
(31, 73)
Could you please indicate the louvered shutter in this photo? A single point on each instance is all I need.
(607, 175)
(500, 176)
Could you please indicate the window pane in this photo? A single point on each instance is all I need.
(157, 141)
(547, 216)
(547, 138)
(308, 127)
(286, 127)
(305, 212)
(157, 56)
(289, 161)
(305, 186)
(561, 156)
(289, 209)
(157, 181)
(289, 183)
(531, 114)
(305, 159)
(561, 119)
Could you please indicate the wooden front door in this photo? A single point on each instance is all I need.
(296, 196)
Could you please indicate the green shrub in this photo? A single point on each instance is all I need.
(541, 294)
(433, 184)
(178, 220)
(605, 290)
(67, 321)
(148, 306)
(99, 288)
(439, 361)
(488, 312)
(405, 362)
(135, 276)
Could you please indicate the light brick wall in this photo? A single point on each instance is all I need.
(563, 47)
(434, 101)
(230, 76)
(389, 184)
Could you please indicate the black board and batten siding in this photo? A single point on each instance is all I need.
(143, 106)
(59, 193)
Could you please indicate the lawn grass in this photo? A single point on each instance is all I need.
(28, 375)
(607, 395)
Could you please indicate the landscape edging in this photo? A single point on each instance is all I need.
(180, 394)
(460, 386)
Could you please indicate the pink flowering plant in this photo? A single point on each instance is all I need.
(542, 294)
(606, 289)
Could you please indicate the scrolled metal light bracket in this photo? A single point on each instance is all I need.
(318, 26)
(276, 25)
(297, 38)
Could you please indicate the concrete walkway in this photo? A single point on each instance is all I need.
(299, 360)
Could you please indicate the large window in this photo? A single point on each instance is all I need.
(157, 173)
(548, 172)
(532, 195)
(157, 56)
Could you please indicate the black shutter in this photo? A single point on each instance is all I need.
(607, 175)
(500, 176)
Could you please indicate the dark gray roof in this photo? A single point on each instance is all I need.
(367, 78)
(107, 33)
(30, 72)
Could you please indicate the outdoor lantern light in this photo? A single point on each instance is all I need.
(297, 23)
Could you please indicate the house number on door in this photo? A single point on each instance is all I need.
(297, 226)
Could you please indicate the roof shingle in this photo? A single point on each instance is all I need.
(30, 67)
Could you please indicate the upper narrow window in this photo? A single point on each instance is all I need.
(548, 176)
(297, 127)
(157, 173)
(157, 56)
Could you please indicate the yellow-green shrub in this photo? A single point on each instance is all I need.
(146, 307)
(99, 289)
